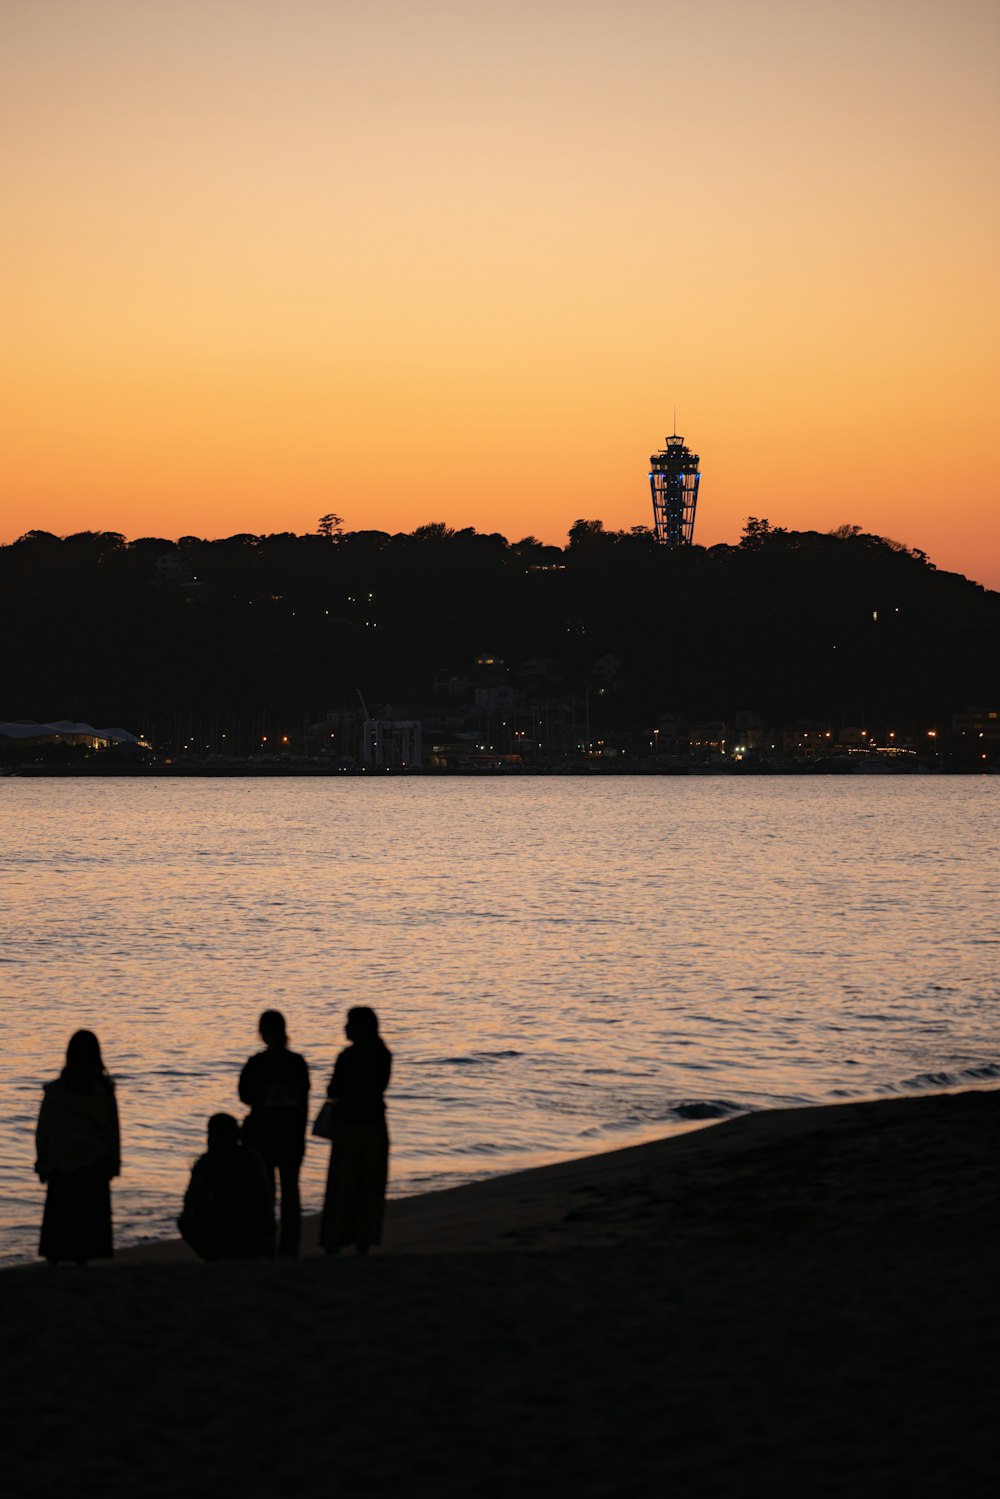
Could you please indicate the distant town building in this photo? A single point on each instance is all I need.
(606, 668)
(501, 698)
(392, 743)
(807, 738)
(750, 732)
(673, 483)
(977, 723)
(707, 739)
(65, 731)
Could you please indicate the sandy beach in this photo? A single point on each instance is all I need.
(792, 1302)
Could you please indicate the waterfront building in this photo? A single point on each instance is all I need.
(392, 744)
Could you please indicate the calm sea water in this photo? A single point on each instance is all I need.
(559, 965)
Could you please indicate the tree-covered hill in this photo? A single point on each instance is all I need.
(790, 624)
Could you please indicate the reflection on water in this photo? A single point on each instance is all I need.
(559, 965)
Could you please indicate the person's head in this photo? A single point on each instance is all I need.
(362, 1024)
(223, 1131)
(273, 1031)
(84, 1064)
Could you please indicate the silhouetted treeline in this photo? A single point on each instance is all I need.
(787, 623)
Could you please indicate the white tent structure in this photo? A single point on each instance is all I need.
(64, 731)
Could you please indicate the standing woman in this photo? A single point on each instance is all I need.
(78, 1152)
(275, 1083)
(359, 1155)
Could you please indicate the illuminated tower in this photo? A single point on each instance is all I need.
(673, 480)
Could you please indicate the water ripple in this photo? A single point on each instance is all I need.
(555, 963)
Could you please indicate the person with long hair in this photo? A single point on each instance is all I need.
(275, 1083)
(78, 1148)
(359, 1144)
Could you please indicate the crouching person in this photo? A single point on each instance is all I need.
(228, 1212)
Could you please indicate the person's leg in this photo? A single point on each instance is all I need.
(291, 1209)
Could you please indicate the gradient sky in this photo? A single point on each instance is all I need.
(459, 261)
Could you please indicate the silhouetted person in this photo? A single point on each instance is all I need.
(359, 1148)
(228, 1207)
(275, 1083)
(78, 1152)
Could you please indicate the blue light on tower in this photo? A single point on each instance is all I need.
(673, 483)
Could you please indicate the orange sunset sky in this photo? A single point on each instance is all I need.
(455, 260)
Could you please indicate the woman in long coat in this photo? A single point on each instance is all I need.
(359, 1153)
(78, 1153)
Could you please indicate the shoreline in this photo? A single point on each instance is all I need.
(524, 1208)
(537, 1208)
(869, 765)
(793, 1302)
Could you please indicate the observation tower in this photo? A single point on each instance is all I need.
(673, 482)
